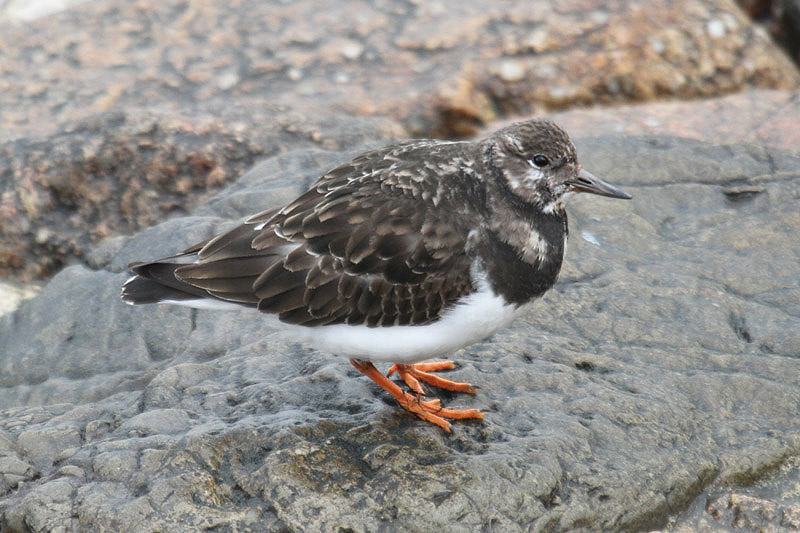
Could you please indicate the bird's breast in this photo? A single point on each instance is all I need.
(522, 260)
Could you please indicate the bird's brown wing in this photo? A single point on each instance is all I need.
(374, 254)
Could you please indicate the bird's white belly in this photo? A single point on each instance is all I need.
(471, 320)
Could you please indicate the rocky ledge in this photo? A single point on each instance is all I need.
(664, 364)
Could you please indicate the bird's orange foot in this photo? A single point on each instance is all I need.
(430, 410)
(413, 374)
(433, 412)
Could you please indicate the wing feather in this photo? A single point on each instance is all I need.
(362, 246)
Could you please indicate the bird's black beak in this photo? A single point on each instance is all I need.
(588, 182)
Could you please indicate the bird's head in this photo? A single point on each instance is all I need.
(537, 162)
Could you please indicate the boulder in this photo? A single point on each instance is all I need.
(443, 67)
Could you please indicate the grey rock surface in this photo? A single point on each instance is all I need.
(664, 362)
(770, 504)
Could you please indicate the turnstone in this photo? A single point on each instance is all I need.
(405, 253)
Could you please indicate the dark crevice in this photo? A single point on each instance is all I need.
(739, 326)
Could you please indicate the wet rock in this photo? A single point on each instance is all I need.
(44, 444)
(13, 470)
(157, 421)
(768, 504)
(662, 365)
(48, 507)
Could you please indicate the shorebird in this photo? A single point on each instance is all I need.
(405, 253)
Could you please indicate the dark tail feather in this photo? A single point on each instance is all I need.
(146, 291)
(156, 282)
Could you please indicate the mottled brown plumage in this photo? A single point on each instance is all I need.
(359, 247)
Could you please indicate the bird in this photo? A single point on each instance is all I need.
(404, 254)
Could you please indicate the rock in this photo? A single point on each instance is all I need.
(44, 444)
(661, 368)
(14, 471)
(761, 117)
(23, 11)
(790, 27)
(48, 507)
(459, 64)
(769, 504)
(157, 421)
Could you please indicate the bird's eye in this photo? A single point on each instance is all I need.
(540, 161)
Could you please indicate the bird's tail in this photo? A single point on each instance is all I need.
(156, 282)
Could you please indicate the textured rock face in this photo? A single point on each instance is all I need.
(663, 363)
(439, 66)
(760, 117)
(781, 18)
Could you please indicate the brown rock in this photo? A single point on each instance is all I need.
(443, 68)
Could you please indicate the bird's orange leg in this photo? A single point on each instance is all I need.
(413, 374)
(430, 410)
